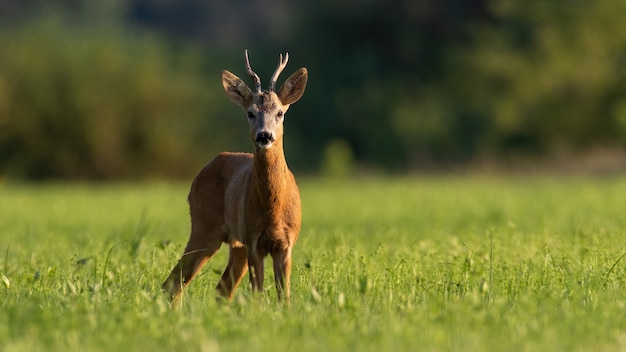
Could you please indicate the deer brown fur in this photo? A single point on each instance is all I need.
(250, 201)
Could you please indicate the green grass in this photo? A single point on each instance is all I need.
(436, 264)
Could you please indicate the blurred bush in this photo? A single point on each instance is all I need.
(338, 160)
(98, 101)
(436, 82)
(131, 88)
(541, 77)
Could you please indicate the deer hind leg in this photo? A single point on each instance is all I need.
(197, 253)
(235, 270)
(282, 272)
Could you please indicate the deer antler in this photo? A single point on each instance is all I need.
(281, 66)
(252, 74)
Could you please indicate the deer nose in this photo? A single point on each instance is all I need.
(264, 138)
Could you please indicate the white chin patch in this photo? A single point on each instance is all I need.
(265, 146)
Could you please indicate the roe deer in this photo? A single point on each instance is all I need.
(249, 201)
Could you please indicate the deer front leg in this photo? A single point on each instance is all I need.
(255, 262)
(282, 273)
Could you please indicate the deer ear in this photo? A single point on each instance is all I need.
(237, 91)
(294, 86)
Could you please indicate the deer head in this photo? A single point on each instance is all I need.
(266, 109)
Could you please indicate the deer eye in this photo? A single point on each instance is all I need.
(250, 115)
(280, 114)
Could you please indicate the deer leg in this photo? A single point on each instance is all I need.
(255, 261)
(236, 268)
(282, 272)
(196, 254)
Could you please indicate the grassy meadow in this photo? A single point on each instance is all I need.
(399, 264)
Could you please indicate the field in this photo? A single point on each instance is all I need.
(428, 263)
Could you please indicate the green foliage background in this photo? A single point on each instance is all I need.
(130, 89)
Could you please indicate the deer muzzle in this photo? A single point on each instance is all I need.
(264, 139)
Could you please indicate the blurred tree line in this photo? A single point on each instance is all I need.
(131, 89)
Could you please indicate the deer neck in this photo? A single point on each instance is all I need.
(270, 178)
